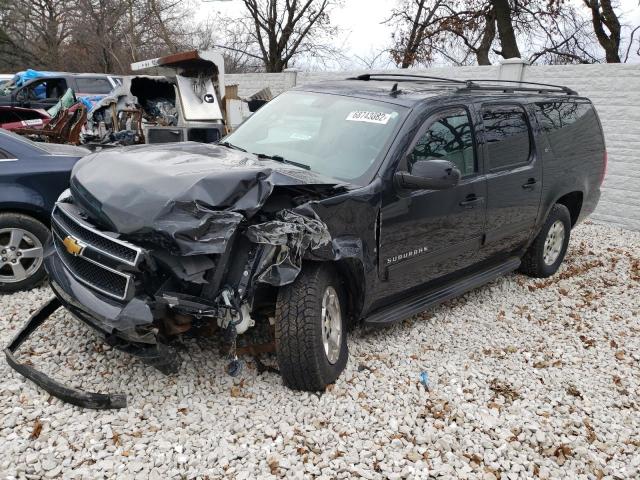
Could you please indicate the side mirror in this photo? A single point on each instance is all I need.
(430, 174)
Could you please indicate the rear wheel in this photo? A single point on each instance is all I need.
(22, 240)
(546, 253)
(311, 342)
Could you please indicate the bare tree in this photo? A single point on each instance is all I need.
(603, 17)
(561, 37)
(38, 29)
(504, 13)
(630, 46)
(277, 31)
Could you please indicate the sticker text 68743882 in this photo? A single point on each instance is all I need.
(370, 117)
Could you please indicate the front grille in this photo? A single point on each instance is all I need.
(67, 221)
(104, 279)
(99, 261)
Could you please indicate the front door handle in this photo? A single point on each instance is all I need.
(471, 201)
(530, 184)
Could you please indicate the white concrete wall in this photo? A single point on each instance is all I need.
(614, 90)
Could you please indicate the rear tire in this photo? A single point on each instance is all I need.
(310, 355)
(546, 253)
(22, 241)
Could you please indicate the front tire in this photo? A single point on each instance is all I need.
(546, 253)
(310, 329)
(22, 240)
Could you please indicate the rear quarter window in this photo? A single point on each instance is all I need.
(571, 127)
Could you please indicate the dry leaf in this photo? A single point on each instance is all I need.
(588, 342)
(620, 355)
(116, 439)
(613, 344)
(591, 433)
(503, 389)
(274, 466)
(235, 391)
(37, 429)
(571, 390)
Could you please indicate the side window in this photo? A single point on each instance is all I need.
(506, 133)
(572, 128)
(557, 115)
(93, 85)
(52, 88)
(449, 137)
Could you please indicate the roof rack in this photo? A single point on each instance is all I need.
(468, 85)
(405, 77)
(475, 85)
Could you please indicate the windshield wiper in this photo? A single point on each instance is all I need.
(232, 146)
(281, 159)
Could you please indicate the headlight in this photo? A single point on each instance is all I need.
(64, 196)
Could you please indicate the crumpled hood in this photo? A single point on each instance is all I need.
(164, 188)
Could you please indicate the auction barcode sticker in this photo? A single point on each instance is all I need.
(370, 117)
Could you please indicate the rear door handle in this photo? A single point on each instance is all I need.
(471, 201)
(530, 184)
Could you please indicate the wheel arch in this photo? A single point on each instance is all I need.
(29, 210)
(351, 272)
(573, 202)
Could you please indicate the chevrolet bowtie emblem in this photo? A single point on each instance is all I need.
(73, 246)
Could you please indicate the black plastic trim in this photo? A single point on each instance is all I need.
(420, 302)
(98, 401)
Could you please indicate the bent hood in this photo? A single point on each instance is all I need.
(201, 189)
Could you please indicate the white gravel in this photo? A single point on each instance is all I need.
(527, 378)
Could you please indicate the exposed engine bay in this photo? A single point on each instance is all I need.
(193, 240)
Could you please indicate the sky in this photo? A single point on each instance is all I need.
(363, 32)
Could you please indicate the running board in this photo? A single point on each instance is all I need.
(419, 303)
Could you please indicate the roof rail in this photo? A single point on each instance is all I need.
(476, 85)
(466, 85)
(404, 77)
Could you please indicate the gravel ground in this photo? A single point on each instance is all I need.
(526, 378)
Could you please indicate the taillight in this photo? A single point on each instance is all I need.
(604, 168)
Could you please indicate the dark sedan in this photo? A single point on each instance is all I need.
(32, 177)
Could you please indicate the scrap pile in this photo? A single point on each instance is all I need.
(122, 117)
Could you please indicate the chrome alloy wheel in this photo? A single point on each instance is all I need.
(553, 243)
(20, 255)
(331, 320)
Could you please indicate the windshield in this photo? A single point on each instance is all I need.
(341, 137)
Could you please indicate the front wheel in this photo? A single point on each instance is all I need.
(311, 343)
(546, 253)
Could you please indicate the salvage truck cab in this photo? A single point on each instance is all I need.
(363, 200)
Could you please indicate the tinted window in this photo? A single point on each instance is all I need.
(572, 128)
(449, 137)
(507, 136)
(93, 85)
(555, 115)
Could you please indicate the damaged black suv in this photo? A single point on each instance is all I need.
(368, 199)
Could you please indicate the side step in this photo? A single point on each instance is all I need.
(419, 303)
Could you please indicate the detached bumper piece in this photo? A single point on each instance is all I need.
(98, 401)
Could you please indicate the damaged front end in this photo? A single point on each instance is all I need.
(158, 241)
